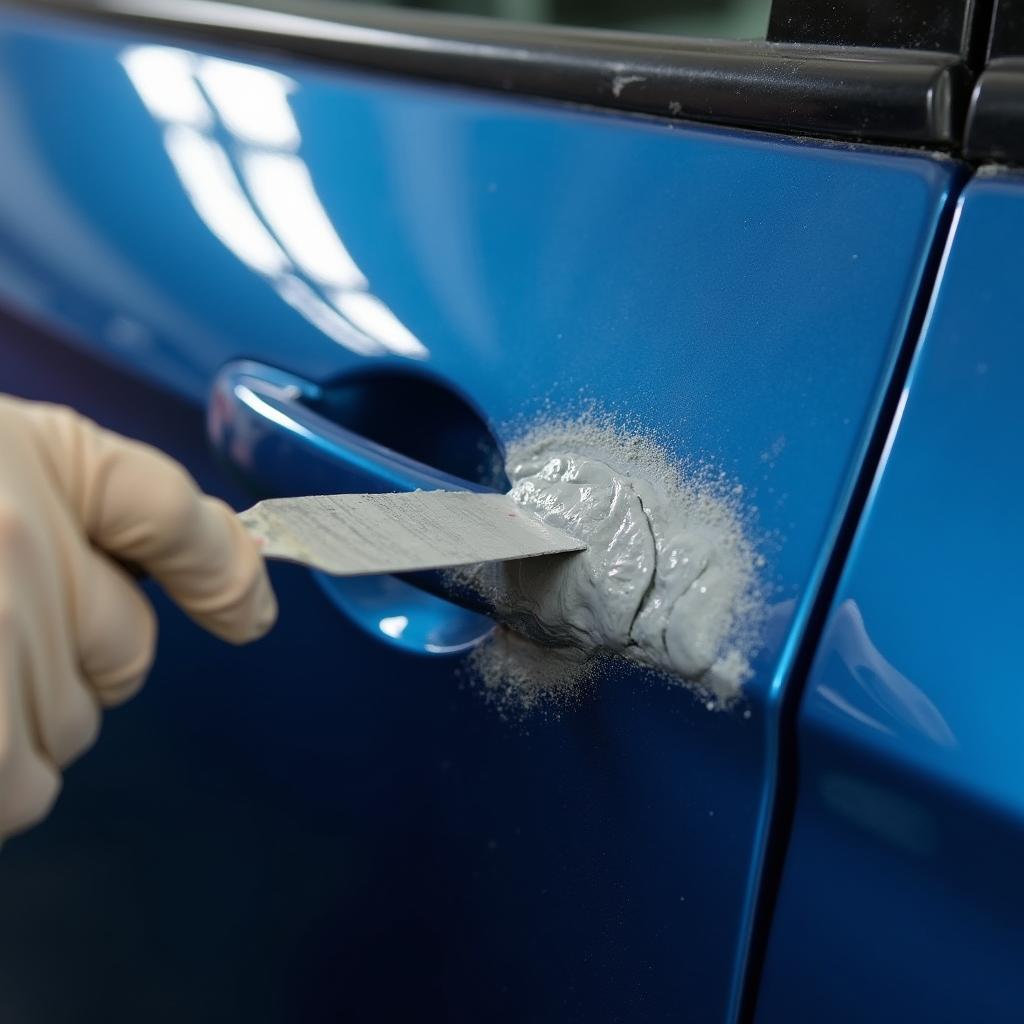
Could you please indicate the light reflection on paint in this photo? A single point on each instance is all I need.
(370, 315)
(211, 184)
(283, 190)
(164, 79)
(303, 299)
(884, 696)
(271, 218)
(252, 102)
(393, 625)
(249, 397)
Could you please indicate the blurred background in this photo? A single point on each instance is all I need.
(722, 19)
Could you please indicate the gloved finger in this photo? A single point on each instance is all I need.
(141, 506)
(208, 563)
(115, 629)
(29, 782)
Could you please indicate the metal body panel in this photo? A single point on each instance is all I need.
(901, 897)
(355, 812)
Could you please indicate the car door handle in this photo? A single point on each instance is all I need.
(262, 423)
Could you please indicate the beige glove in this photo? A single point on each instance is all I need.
(76, 633)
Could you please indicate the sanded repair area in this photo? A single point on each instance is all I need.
(669, 579)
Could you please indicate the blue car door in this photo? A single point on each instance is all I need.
(908, 802)
(437, 234)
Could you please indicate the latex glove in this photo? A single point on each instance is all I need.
(76, 633)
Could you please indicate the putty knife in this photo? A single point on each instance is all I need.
(365, 534)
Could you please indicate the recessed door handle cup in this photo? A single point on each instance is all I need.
(262, 425)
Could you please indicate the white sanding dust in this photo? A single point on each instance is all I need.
(669, 580)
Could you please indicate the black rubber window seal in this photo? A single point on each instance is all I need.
(897, 97)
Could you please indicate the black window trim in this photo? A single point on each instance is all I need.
(879, 95)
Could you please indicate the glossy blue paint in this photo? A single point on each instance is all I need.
(901, 898)
(361, 811)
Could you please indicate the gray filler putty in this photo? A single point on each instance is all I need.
(670, 578)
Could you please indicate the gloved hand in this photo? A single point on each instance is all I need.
(76, 633)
